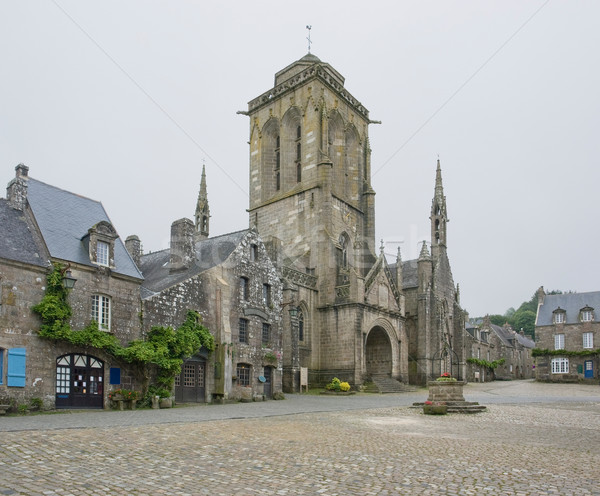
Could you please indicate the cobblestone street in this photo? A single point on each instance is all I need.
(518, 448)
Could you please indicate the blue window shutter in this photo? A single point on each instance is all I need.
(16, 367)
(115, 375)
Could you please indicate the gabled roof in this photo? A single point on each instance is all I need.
(17, 241)
(209, 253)
(571, 303)
(64, 219)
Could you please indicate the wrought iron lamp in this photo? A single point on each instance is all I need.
(68, 279)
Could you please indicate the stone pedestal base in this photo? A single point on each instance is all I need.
(445, 391)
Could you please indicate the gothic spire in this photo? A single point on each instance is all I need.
(202, 209)
(439, 215)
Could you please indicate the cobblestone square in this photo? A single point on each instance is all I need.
(526, 447)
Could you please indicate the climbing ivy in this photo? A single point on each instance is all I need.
(486, 363)
(164, 347)
(537, 352)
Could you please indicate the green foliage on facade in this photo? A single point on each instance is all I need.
(164, 347)
(485, 363)
(537, 352)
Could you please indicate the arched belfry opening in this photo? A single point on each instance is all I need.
(271, 158)
(291, 148)
(378, 353)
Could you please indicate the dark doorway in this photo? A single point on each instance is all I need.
(378, 353)
(190, 385)
(267, 386)
(79, 381)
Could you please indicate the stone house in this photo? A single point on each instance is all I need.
(312, 202)
(491, 342)
(566, 335)
(41, 225)
(231, 281)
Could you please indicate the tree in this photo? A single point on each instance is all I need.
(498, 320)
(524, 319)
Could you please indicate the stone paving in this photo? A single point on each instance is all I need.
(524, 447)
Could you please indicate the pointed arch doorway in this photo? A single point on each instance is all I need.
(378, 353)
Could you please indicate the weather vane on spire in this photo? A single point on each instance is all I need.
(308, 37)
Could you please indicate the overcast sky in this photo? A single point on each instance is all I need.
(122, 101)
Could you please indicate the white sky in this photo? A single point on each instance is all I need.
(121, 101)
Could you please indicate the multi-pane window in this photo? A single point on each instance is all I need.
(101, 311)
(559, 317)
(243, 373)
(300, 326)
(266, 333)
(560, 365)
(1, 366)
(587, 315)
(244, 290)
(102, 250)
(588, 340)
(277, 164)
(243, 331)
(298, 154)
(559, 341)
(267, 295)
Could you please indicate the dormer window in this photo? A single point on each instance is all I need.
(586, 314)
(101, 244)
(559, 316)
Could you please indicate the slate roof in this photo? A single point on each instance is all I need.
(505, 335)
(572, 303)
(209, 253)
(410, 277)
(17, 241)
(526, 341)
(64, 219)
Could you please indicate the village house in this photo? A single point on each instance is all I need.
(231, 281)
(42, 225)
(492, 343)
(566, 334)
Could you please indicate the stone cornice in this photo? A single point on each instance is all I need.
(316, 71)
(300, 278)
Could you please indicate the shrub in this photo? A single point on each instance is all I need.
(36, 404)
(344, 386)
(334, 385)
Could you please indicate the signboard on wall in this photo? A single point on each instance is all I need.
(303, 378)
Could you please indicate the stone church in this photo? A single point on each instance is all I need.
(353, 315)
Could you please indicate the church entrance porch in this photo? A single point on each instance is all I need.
(378, 353)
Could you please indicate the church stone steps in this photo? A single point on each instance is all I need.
(385, 384)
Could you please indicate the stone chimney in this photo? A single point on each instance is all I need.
(541, 295)
(134, 247)
(16, 191)
(182, 245)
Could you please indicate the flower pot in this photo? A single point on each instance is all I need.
(166, 403)
(435, 409)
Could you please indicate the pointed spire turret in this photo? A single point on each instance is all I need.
(424, 251)
(439, 214)
(202, 209)
(399, 281)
